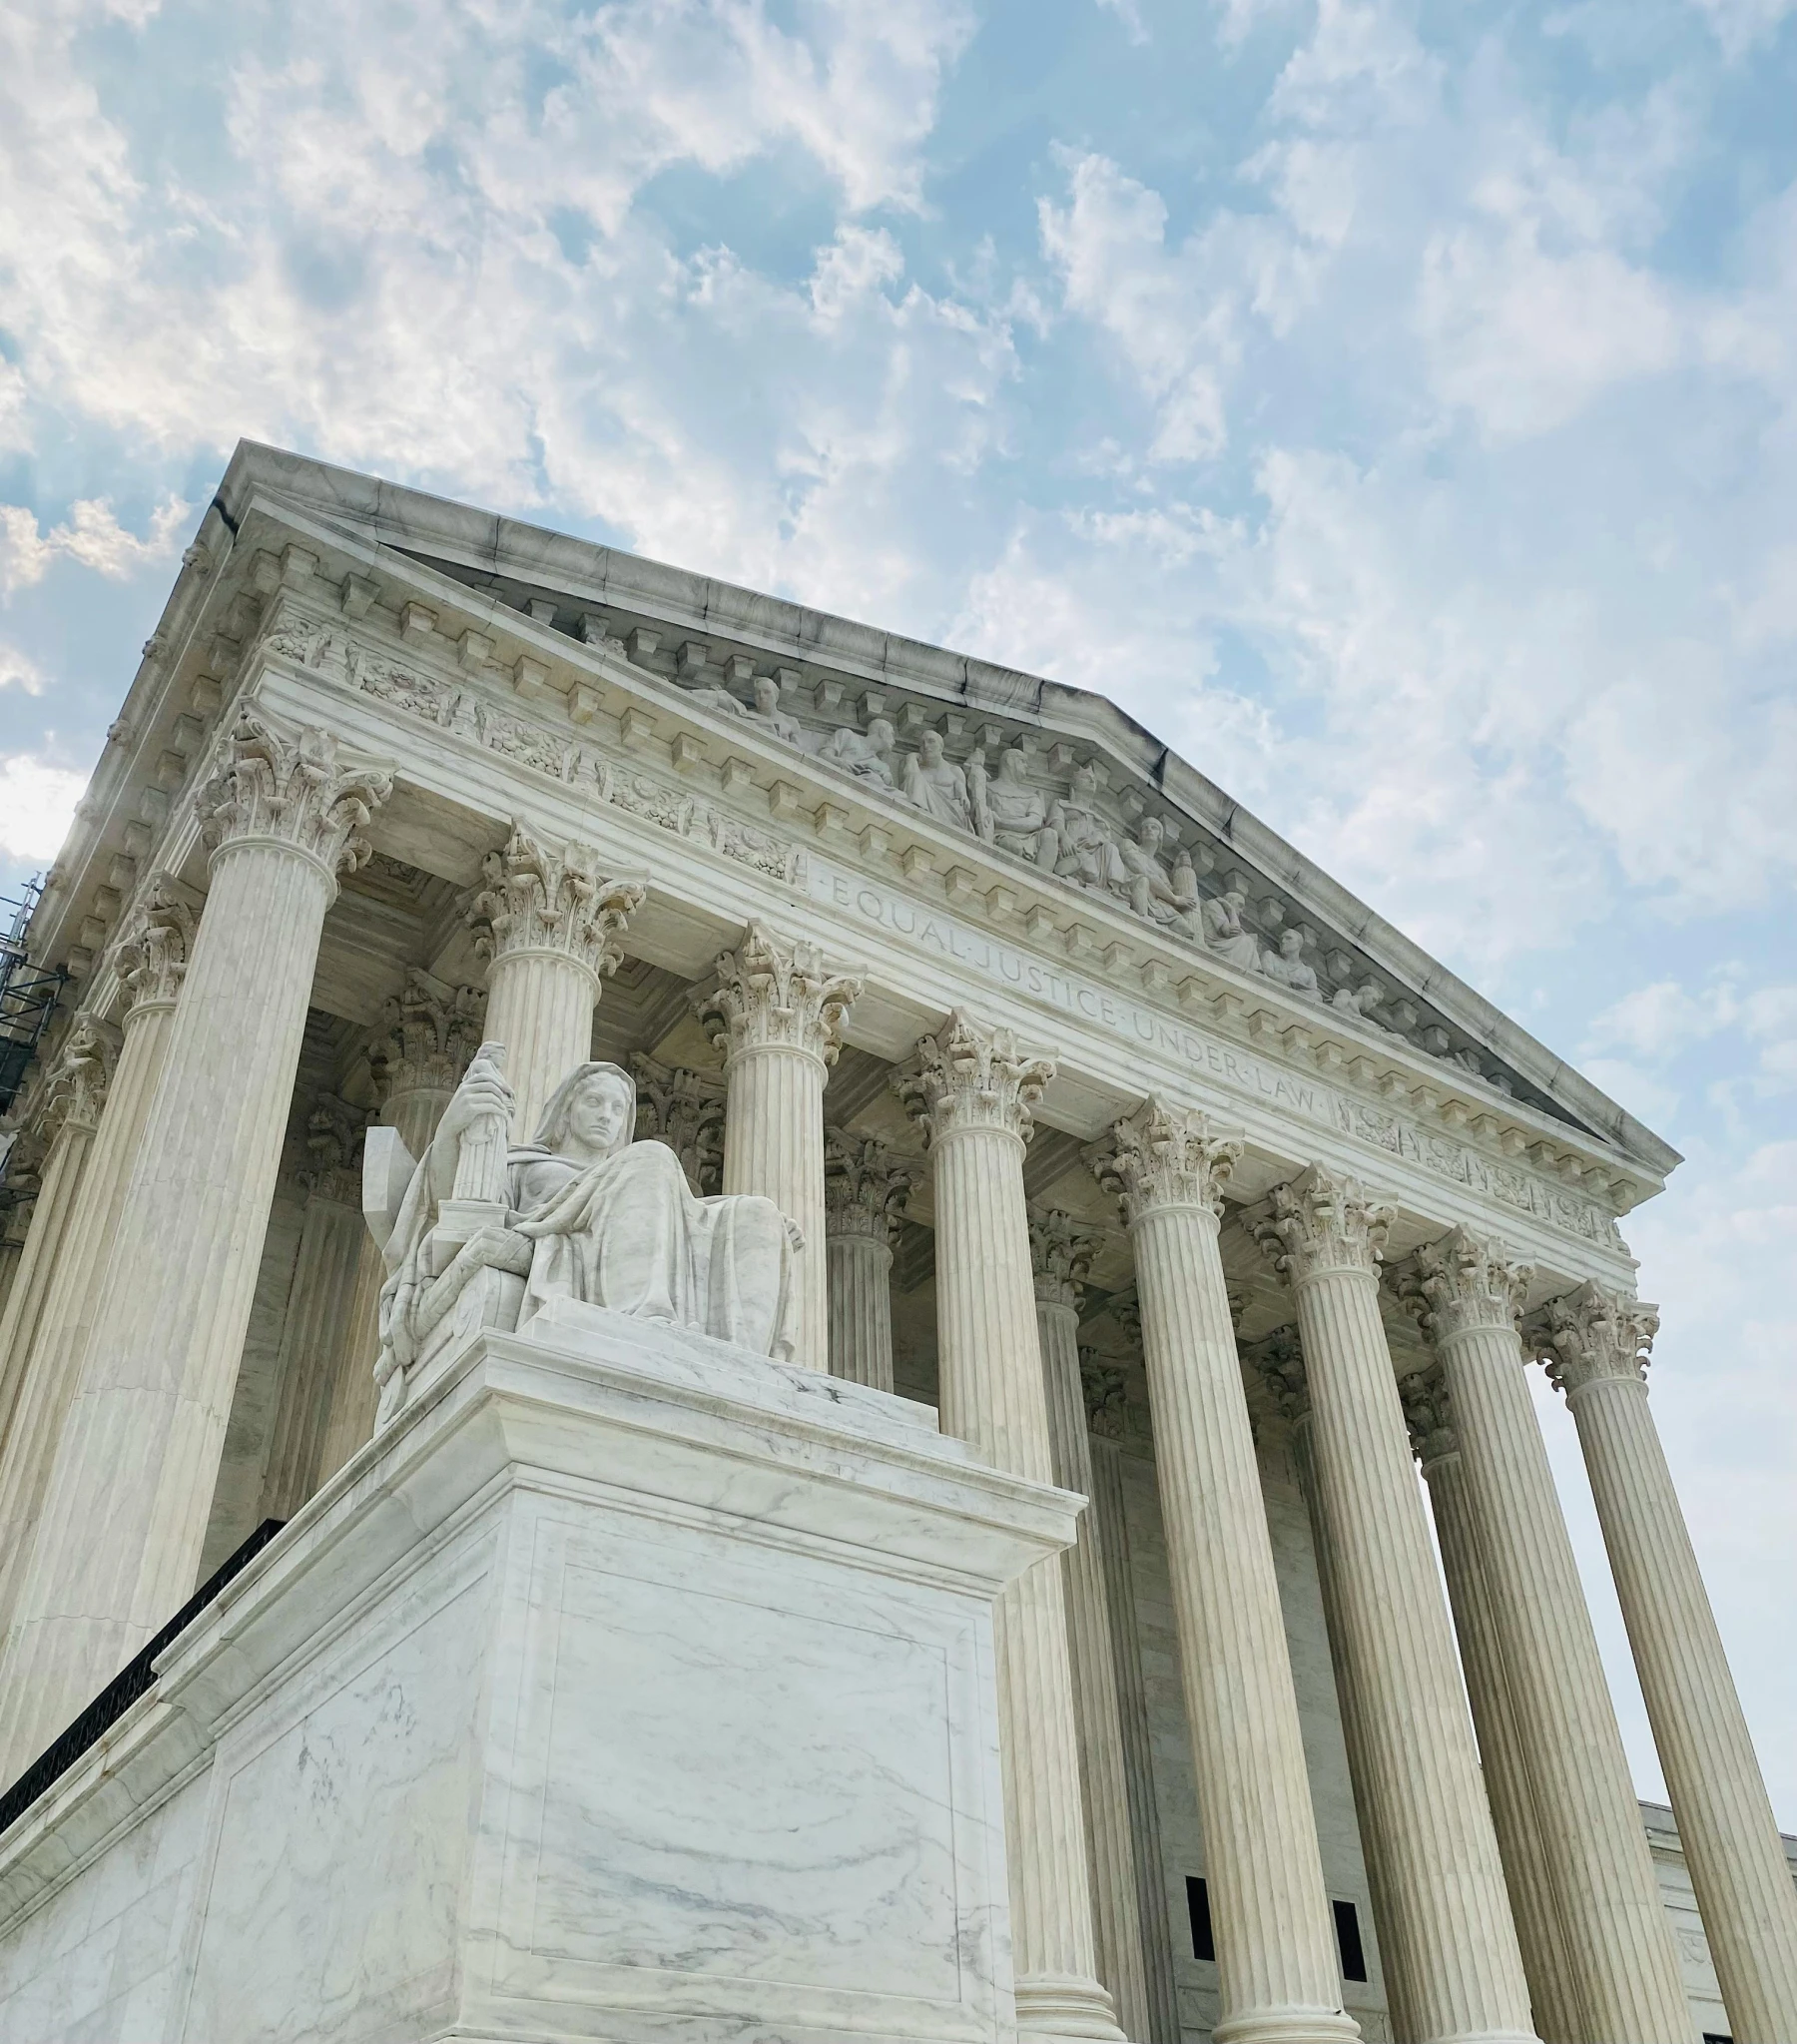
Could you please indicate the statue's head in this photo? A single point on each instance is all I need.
(880, 734)
(767, 694)
(1011, 764)
(1150, 833)
(930, 746)
(593, 1110)
(1291, 942)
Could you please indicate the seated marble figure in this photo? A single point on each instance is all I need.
(587, 1213)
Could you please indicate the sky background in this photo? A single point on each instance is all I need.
(1393, 406)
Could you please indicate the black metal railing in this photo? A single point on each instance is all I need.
(136, 1679)
(28, 993)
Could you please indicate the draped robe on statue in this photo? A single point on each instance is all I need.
(623, 1231)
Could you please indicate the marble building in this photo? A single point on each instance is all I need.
(1013, 1506)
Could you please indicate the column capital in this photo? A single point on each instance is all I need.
(685, 1109)
(294, 785)
(866, 1188)
(334, 1130)
(776, 993)
(1060, 1256)
(1460, 1282)
(1105, 1389)
(428, 1033)
(1428, 1414)
(539, 896)
(150, 958)
(1162, 1157)
(1278, 1360)
(1593, 1334)
(971, 1075)
(75, 1088)
(1321, 1220)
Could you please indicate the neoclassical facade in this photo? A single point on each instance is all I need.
(1123, 1157)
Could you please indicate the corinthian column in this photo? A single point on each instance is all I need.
(1552, 1991)
(126, 1507)
(74, 1094)
(1618, 1940)
(1061, 1254)
(552, 928)
(149, 962)
(974, 1094)
(683, 1109)
(777, 1015)
(865, 1194)
(1448, 1931)
(428, 1033)
(1275, 1938)
(1595, 1343)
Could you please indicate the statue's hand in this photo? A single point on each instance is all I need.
(482, 1096)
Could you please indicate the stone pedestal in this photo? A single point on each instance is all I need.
(125, 1509)
(1450, 1948)
(1276, 1949)
(630, 1686)
(777, 1015)
(551, 927)
(1619, 1943)
(974, 1094)
(150, 960)
(1596, 1342)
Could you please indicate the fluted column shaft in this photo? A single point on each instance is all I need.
(1447, 1933)
(776, 1013)
(974, 1094)
(1618, 1939)
(1107, 1512)
(861, 1310)
(152, 972)
(314, 1336)
(551, 928)
(1725, 1824)
(125, 1509)
(1553, 1989)
(1270, 1914)
(43, 1252)
(1116, 1914)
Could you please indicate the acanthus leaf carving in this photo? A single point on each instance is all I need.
(1105, 1388)
(292, 785)
(430, 1032)
(777, 991)
(865, 1187)
(685, 1109)
(151, 957)
(1060, 1256)
(74, 1092)
(1165, 1157)
(1323, 1220)
(1429, 1414)
(544, 898)
(972, 1074)
(1462, 1281)
(1591, 1335)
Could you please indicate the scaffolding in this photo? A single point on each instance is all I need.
(28, 998)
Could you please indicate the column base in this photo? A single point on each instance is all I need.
(1049, 2007)
(630, 1686)
(1286, 2026)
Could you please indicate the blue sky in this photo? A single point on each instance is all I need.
(1393, 406)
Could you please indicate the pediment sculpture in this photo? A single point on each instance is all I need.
(488, 1231)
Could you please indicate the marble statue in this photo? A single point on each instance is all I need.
(1289, 967)
(1154, 893)
(767, 712)
(1007, 811)
(588, 1214)
(1361, 1002)
(868, 756)
(934, 784)
(1224, 933)
(1087, 850)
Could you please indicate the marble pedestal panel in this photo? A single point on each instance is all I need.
(628, 1687)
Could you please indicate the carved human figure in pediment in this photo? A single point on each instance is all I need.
(936, 785)
(587, 1213)
(767, 712)
(1362, 1000)
(1225, 935)
(1154, 892)
(1291, 967)
(1007, 810)
(1087, 845)
(868, 755)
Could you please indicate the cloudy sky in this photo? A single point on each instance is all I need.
(1394, 406)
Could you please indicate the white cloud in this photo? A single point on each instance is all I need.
(18, 670)
(37, 805)
(92, 537)
(1742, 25)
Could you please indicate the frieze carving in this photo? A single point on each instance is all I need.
(685, 1109)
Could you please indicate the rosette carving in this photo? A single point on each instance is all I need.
(1460, 1282)
(1162, 1157)
(1592, 1334)
(773, 992)
(292, 785)
(1323, 1220)
(971, 1075)
(537, 897)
